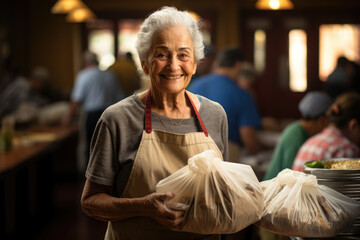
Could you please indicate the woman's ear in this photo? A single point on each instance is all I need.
(353, 124)
(144, 67)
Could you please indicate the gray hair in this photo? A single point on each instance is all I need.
(90, 58)
(165, 17)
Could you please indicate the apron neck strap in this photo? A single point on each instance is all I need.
(148, 127)
(148, 112)
(197, 114)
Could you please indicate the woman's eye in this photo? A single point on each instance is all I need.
(183, 55)
(161, 56)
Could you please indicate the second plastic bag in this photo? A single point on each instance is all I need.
(295, 205)
(222, 197)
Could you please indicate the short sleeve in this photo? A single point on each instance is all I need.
(102, 165)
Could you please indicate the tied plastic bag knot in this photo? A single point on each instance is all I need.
(290, 177)
(203, 163)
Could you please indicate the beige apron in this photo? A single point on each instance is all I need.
(159, 155)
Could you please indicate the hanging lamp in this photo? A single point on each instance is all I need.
(82, 14)
(66, 6)
(274, 4)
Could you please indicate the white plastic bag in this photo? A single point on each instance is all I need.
(295, 205)
(222, 197)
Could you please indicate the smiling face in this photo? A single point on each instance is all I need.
(171, 61)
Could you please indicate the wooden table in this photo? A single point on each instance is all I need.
(27, 175)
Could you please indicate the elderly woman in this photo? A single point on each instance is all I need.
(148, 136)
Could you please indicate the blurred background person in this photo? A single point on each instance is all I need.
(11, 70)
(94, 90)
(340, 139)
(41, 90)
(356, 77)
(340, 79)
(313, 107)
(243, 117)
(24, 96)
(247, 78)
(125, 70)
(14, 91)
(206, 64)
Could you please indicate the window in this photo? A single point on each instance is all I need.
(128, 30)
(337, 40)
(297, 60)
(101, 42)
(206, 31)
(259, 50)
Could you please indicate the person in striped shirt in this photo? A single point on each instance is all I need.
(340, 139)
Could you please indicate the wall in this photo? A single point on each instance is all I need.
(38, 38)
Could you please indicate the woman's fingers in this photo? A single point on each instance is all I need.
(164, 196)
(173, 223)
(166, 215)
(177, 206)
(174, 214)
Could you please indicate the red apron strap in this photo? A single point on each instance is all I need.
(148, 127)
(197, 115)
(148, 112)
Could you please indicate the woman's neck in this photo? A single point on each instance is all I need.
(169, 105)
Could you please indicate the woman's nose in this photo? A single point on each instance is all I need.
(173, 63)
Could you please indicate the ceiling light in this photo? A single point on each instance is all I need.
(82, 14)
(274, 4)
(66, 6)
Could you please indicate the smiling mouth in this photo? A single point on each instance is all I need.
(171, 77)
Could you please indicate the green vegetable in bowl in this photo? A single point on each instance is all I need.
(316, 164)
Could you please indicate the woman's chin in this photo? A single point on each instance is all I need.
(173, 88)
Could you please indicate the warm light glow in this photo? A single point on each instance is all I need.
(128, 31)
(337, 40)
(259, 50)
(298, 60)
(66, 6)
(274, 4)
(101, 42)
(80, 15)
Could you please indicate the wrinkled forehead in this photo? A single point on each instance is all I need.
(176, 36)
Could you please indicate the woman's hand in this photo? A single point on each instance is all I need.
(97, 202)
(169, 217)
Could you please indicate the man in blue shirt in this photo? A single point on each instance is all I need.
(94, 90)
(221, 87)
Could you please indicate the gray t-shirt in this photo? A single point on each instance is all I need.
(118, 134)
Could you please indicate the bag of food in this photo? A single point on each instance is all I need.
(295, 205)
(222, 197)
